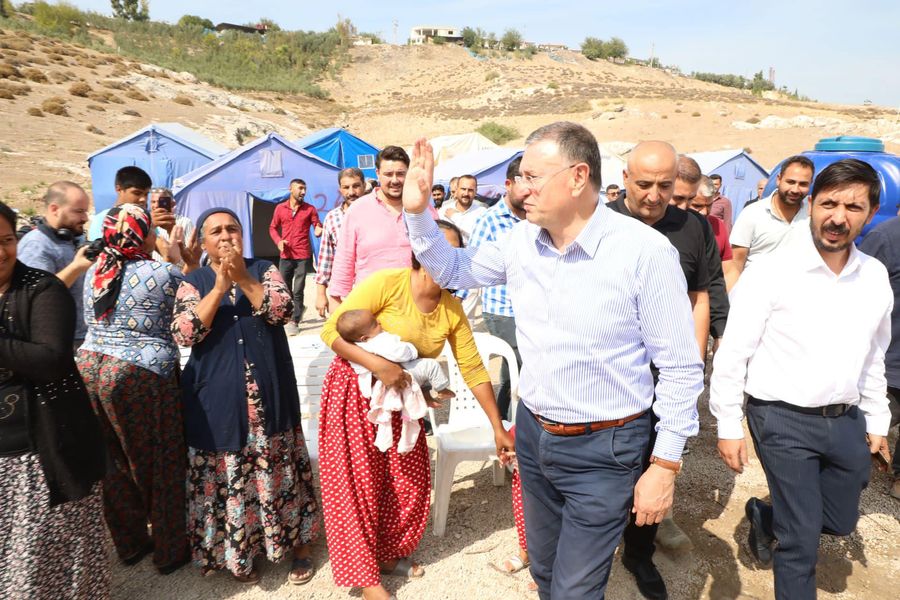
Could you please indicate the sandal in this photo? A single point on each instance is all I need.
(249, 579)
(404, 568)
(513, 564)
(307, 570)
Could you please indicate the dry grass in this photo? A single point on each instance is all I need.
(55, 106)
(35, 75)
(16, 89)
(131, 112)
(180, 99)
(7, 70)
(113, 84)
(6, 94)
(15, 43)
(34, 111)
(96, 107)
(37, 60)
(59, 77)
(96, 130)
(80, 89)
(137, 95)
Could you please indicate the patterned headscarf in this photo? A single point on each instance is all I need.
(124, 230)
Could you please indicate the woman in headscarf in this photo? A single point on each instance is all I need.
(129, 362)
(51, 449)
(250, 489)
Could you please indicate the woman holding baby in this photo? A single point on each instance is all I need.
(376, 503)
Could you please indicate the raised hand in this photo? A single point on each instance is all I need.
(417, 188)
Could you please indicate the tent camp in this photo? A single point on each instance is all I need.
(447, 147)
(342, 149)
(613, 161)
(251, 181)
(488, 166)
(164, 150)
(739, 174)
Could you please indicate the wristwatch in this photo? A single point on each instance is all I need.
(666, 464)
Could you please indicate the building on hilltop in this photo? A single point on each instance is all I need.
(425, 34)
(261, 29)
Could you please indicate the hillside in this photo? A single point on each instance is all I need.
(386, 94)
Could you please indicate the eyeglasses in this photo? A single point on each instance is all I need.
(530, 181)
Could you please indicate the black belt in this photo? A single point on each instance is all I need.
(829, 410)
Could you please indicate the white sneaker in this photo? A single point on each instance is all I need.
(672, 538)
(291, 329)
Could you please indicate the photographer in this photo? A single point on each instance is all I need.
(175, 240)
(53, 245)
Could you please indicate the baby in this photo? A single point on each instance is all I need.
(360, 327)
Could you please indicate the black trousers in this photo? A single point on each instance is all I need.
(816, 468)
(894, 397)
(639, 541)
(293, 271)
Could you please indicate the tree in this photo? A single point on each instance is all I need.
(195, 21)
(131, 10)
(469, 37)
(269, 25)
(593, 48)
(6, 9)
(511, 40)
(615, 48)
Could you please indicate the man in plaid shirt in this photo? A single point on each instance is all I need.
(496, 308)
(351, 183)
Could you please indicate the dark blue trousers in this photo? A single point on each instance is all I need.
(816, 468)
(577, 494)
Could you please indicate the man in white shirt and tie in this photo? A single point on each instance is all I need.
(806, 337)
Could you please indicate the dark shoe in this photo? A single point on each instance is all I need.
(171, 568)
(650, 583)
(138, 556)
(759, 540)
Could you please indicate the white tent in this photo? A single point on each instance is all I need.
(449, 146)
(613, 161)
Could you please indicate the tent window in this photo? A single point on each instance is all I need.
(270, 163)
(365, 161)
(740, 171)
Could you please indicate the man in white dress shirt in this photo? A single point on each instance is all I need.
(466, 212)
(806, 337)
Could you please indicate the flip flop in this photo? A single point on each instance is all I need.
(514, 561)
(403, 568)
(306, 564)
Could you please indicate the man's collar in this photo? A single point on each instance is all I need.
(810, 259)
(588, 239)
(622, 208)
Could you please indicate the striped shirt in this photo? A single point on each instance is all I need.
(331, 230)
(589, 319)
(495, 223)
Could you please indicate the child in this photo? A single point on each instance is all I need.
(360, 327)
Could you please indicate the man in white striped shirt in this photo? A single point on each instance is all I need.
(597, 296)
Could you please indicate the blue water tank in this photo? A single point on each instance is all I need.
(870, 150)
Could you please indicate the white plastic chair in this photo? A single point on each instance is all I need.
(311, 361)
(467, 435)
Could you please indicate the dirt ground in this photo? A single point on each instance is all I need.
(709, 506)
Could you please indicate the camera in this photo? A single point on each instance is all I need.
(94, 248)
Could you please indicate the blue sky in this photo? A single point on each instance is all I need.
(830, 51)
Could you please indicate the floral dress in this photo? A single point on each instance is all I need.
(260, 499)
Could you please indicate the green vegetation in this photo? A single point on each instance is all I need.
(511, 40)
(131, 10)
(595, 48)
(757, 85)
(497, 133)
(281, 61)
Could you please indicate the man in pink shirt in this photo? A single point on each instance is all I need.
(721, 206)
(290, 232)
(374, 235)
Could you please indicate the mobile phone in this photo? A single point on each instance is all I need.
(164, 202)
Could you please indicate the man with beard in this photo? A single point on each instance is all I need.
(374, 235)
(289, 230)
(807, 338)
(351, 183)
(53, 245)
(721, 206)
(760, 228)
(496, 308)
(438, 194)
(467, 211)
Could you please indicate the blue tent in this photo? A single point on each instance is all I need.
(164, 150)
(251, 181)
(342, 149)
(739, 172)
(488, 166)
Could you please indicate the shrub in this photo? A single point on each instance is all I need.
(131, 113)
(753, 120)
(491, 76)
(59, 77)
(181, 99)
(695, 114)
(80, 88)
(553, 85)
(242, 134)
(279, 111)
(55, 106)
(137, 95)
(113, 84)
(34, 111)
(60, 19)
(96, 130)
(35, 75)
(96, 107)
(5, 94)
(497, 133)
(578, 106)
(8, 70)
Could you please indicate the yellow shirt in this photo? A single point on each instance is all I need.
(387, 294)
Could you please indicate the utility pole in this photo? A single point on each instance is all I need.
(652, 48)
(396, 28)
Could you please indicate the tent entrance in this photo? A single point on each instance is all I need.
(261, 212)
